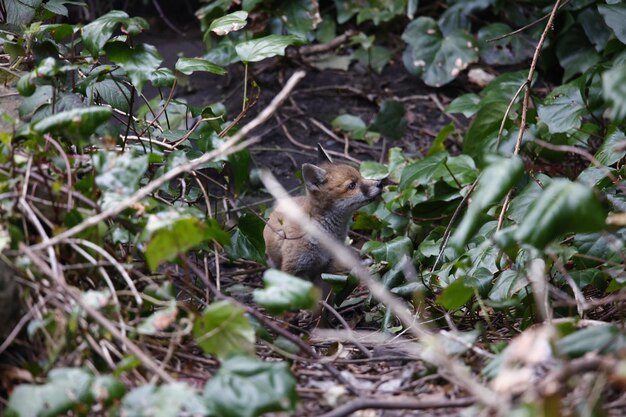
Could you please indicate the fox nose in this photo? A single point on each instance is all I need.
(382, 183)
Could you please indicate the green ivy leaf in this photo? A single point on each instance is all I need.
(495, 181)
(248, 387)
(422, 171)
(376, 57)
(67, 389)
(232, 22)
(457, 15)
(285, 292)
(467, 105)
(485, 125)
(615, 15)
(576, 55)
(247, 240)
(223, 330)
(392, 251)
(591, 339)
(111, 92)
(507, 51)
(435, 58)
(190, 65)
(390, 121)
(507, 284)
(562, 110)
(168, 400)
(437, 145)
(348, 123)
(520, 204)
(98, 32)
(75, 124)
(612, 149)
(162, 77)
(455, 295)
(596, 30)
(138, 62)
(118, 175)
(342, 286)
(563, 207)
(267, 47)
(20, 13)
(373, 170)
(614, 90)
(172, 233)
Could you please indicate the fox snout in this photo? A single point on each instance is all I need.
(372, 188)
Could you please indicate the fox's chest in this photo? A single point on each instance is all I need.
(314, 260)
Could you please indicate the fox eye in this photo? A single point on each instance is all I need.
(352, 185)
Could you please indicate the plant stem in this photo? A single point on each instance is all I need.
(245, 87)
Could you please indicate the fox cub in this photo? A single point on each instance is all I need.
(333, 193)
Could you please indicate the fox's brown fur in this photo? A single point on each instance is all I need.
(333, 193)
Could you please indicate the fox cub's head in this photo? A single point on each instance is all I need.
(337, 186)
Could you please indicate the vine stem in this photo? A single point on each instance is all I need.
(526, 99)
(245, 87)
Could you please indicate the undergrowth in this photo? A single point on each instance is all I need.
(120, 211)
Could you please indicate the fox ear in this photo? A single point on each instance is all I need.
(313, 176)
(322, 155)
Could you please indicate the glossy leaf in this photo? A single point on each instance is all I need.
(168, 400)
(351, 124)
(231, 22)
(98, 32)
(495, 181)
(507, 284)
(615, 15)
(67, 389)
(390, 121)
(118, 175)
(592, 339)
(507, 51)
(562, 110)
(373, 170)
(223, 330)
(176, 235)
(77, 123)
(563, 207)
(111, 92)
(190, 65)
(267, 47)
(612, 149)
(21, 12)
(248, 387)
(467, 105)
(455, 295)
(422, 171)
(575, 53)
(614, 90)
(138, 62)
(436, 58)
(284, 292)
(392, 251)
(247, 240)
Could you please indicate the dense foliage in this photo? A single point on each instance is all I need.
(105, 191)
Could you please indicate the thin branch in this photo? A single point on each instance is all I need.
(230, 146)
(526, 100)
(395, 403)
(458, 372)
(146, 360)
